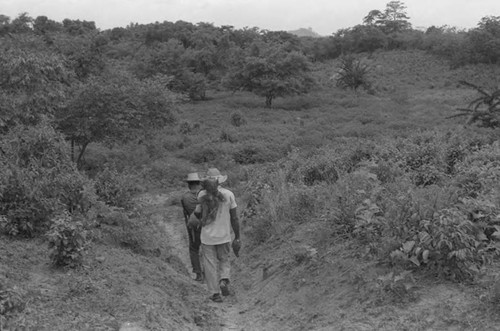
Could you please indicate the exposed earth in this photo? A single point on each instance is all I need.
(302, 282)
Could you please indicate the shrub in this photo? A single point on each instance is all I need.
(142, 234)
(273, 204)
(386, 172)
(352, 74)
(67, 241)
(447, 244)
(237, 119)
(38, 180)
(76, 192)
(114, 188)
(349, 193)
(259, 230)
(228, 136)
(202, 152)
(11, 302)
(165, 172)
(319, 169)
(186, 127)
(252, 153)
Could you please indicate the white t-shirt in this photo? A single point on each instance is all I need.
(219, 231)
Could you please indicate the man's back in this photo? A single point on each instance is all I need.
(219, 231)
(189, 200)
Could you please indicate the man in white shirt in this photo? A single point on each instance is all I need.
(216, 235)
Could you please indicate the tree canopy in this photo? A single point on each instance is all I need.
(393, 19)
(271, 71)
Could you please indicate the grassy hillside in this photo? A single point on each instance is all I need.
(323, 182)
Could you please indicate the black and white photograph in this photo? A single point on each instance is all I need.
(249, 165)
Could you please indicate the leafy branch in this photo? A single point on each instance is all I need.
(484, 109)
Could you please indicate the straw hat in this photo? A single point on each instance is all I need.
(193, 177)
(214, 173)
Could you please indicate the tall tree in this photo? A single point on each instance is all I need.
(393, 19)
(271, 72)
(396, 18)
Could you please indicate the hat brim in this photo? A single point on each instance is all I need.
(220, 178)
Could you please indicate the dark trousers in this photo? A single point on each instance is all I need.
(194, 248)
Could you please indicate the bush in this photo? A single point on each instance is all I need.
(275, 205)
(114, 188)
(237, 119)
(67, 241)
(186, 127)
(396, 199)
(11, 302)
(252, 153)
(38, 180)
(141, 234)
(447, 244)
(349, 194)
(352, 74)
(228, 136)
(318, 169)
(202, 152)
(166, 172)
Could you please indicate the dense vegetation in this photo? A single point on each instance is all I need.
(88, 118)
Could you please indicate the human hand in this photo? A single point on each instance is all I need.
(193, 222)
(236, 247)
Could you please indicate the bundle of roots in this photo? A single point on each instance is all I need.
(211, 201)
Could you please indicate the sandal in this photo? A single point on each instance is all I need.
(224, 286)
(216, 297)
(199, 277)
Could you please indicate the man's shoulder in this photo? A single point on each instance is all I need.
(225, 191)
(186, 194)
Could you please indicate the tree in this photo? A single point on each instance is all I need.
(112, 109)
(485, 40)
(42, 25)
(172, 59)
(396, 19)
(372, 17)
(271, 72)
(22, 24)
(362, 38)
(32, 85)
(38, 180)
(77, 27)
(393, 19)
(84, 53)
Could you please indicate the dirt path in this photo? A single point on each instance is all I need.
(164, 209)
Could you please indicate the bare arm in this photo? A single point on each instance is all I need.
(235, 224)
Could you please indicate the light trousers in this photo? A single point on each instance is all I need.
(216, 263)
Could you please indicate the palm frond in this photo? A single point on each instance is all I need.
(477, 88)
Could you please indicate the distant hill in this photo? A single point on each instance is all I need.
(303, 32)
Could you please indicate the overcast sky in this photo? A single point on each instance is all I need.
(323, 16)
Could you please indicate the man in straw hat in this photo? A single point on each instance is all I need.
(216, 237)
(189, 201)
